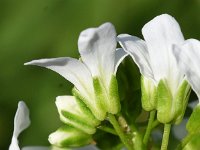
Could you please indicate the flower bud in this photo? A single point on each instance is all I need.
(74, 112)
(67, 136)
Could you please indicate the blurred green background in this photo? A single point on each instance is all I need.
(33, 29)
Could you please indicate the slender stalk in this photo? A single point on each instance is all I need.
(107, 129)
(165, 138)
(149, 127)
(155, 124)
(120, 132)
(185, 141)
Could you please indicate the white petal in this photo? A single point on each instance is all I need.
(21, 122)
(138, 51)
(119, 56)
(71, 69)
(188, 60)
(97, 48)
(14, 144)
(67, 103)
(36, 148)
(159, 34)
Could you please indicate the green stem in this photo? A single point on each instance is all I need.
(185, 141)
(165, 139)
(155, 124)
(149, 127)
(107, 129)
(120, 132)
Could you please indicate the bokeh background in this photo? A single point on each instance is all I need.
(33, 29)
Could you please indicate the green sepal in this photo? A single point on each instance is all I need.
(164, 103)
(100, 95)
(67, 136)
(193, 124)
(114, 100)
(148, 94)
(172, 109)
(107, 97)
(94, 106)
(90, 117)
(181, 101)
(78, 122)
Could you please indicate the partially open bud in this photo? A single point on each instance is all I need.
(148, 94)
(172, 108)
(67, 136)
(75, 113)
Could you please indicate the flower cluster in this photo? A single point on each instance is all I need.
(169, 68)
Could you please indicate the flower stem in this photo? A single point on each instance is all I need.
(155, 124)
(149, 127)
(165, 139)
(120, 132)
(107, 129)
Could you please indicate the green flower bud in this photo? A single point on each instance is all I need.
(172, 108)
(193, 124)
(67, 136)
(75, 113)
(148, 94)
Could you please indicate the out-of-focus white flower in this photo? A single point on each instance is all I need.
(156, 62)
(21, 122)
(94, 74)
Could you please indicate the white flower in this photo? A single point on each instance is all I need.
(99, 60)
(21, 122)
(188, 59)
(156, 62)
